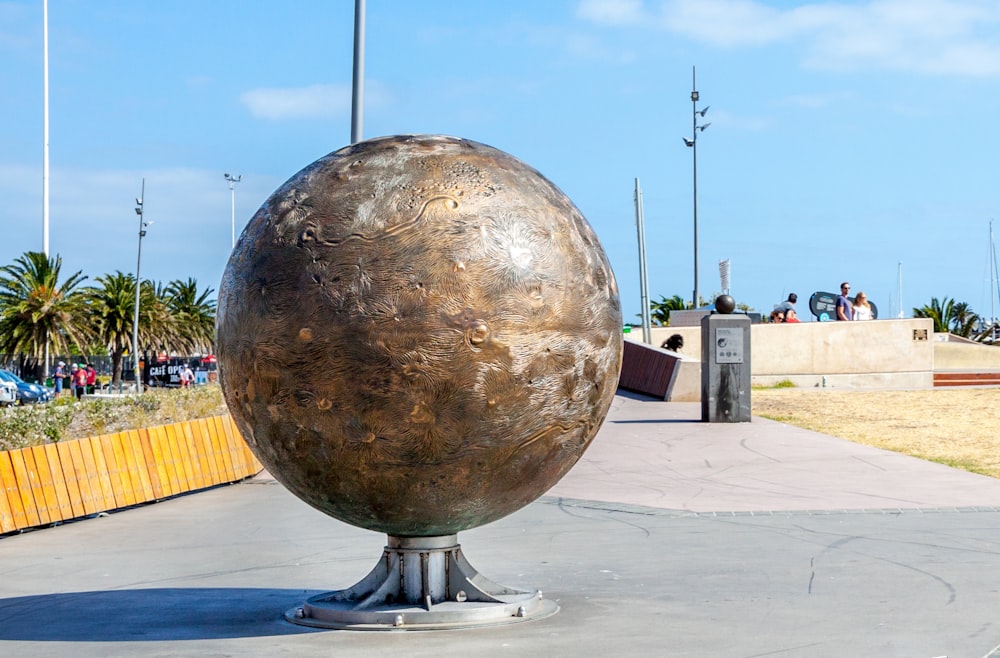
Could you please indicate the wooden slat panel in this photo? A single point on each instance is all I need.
(11, 509)
(219, 443)
(105, 444)
(184, 452)
(69, 480)
(126, 464)
(118, 444)
(235, 447)
(98, 473)
(137, 467)
(228, 446)
(216, 467)
(59, 483)
(195, 456)
(255, 465)
(165, 470)
(169, 461)
(25, 475)
(48, 483)
(154, 470)
(159, 461)
(178, 461)
(249, 461)
(46, 486)
(82, 477)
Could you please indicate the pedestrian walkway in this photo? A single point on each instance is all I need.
(669, 538)
(661, 455)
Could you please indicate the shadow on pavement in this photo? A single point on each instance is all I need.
(139, 615)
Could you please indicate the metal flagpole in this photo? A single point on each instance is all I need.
(640, 221)
(45, 129)
(358, 87)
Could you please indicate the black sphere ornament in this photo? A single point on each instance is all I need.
(725, 304)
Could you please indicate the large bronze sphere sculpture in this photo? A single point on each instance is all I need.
(418, 335)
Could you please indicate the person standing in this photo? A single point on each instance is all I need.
(59, 376)
(91, 378)
(845, 310)
(788, 304)
(79, 382)
(187, 377)
(862, 310)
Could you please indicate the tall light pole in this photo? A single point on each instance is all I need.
(693, 144)
(640, 226)
(45, 134)
(138, 265)
(232, 193)
(358, 86)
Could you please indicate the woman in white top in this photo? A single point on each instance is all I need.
(862, 309)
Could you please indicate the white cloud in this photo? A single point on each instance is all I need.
(312, 102)
(611, 12)
(941, 37)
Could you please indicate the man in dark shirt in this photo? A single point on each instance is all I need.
(845, 310)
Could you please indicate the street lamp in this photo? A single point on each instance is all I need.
(232, 191)
(358, 83)
(138, 265)
(693, 144)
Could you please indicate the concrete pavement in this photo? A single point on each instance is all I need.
(670, 537)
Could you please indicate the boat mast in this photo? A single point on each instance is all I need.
(899, 288)
(994, 279)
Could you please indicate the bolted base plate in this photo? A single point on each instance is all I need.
(422, 583)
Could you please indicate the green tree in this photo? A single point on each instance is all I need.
(949, 316)
(660, 311)
(159, 330)
(964, 320)
(112, 304)
(39, 314)
(195, 314)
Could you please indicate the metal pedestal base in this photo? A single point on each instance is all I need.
(422, 583)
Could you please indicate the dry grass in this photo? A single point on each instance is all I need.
(959, 427)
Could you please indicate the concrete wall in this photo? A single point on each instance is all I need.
(954, 356)
(876, 354)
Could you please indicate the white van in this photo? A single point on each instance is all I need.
(8, 393)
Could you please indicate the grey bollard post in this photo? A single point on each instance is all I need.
(725, 365)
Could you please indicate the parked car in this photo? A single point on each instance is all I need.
(26, 393)
(8, 393)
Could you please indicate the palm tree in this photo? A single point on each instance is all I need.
(949, 316)
(195, 314)
(964, 321)
(660, 311)
(112, 305)
(159, 329)
(39, 315)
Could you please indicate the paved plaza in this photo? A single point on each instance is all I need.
(671, 537)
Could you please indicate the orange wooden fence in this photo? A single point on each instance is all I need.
(46, 484)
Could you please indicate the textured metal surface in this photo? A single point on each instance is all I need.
(418, 334)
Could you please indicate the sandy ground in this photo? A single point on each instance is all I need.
(955, 426)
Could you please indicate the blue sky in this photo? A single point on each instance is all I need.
(845, 137)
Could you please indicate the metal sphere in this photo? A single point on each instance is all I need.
(418, 334)
(725, 304)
